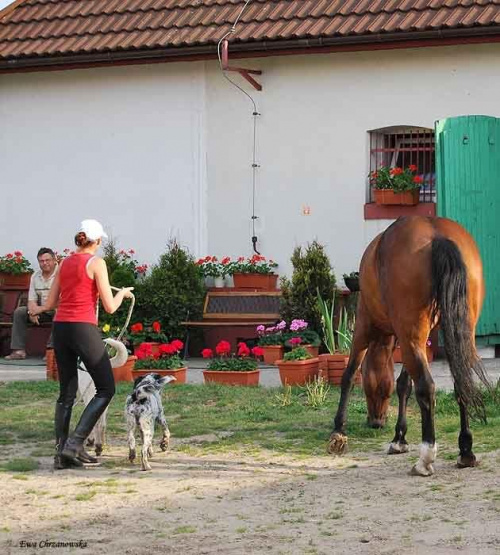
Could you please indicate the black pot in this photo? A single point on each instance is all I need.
(352, 283)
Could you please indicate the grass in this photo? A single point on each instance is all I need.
(239, 418)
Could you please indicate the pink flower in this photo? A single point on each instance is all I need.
(295, 341)
(260, 329)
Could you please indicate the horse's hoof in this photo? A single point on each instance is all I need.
(421, 469)
(146, 467)
(131, 456)
(467, 461)
(98, 450)
(164, 445)
(337, 444)
(398, 448)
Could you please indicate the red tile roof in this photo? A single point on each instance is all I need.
(62, 28)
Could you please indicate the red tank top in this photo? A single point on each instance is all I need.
(78, 293)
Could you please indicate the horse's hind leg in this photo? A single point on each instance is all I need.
(338, 440)
(415, 360)
(466, 457)
(403, 387)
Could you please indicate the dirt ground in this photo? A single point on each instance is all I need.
(253, 503)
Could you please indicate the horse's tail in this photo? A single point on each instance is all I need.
(450, 303)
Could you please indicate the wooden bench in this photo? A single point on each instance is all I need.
(233, 314)
(36, 341)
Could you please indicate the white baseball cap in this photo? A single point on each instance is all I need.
(92, 229)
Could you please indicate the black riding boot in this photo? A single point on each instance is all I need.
(61, 420)
(73, 448)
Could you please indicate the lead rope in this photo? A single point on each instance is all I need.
(129, 315)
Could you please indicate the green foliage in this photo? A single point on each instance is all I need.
(309, 337)
(298, 353)
(396, 178)
(15, 263)
(327, 315)
(312, 271)
(271, 339)
(344, 333)
(234, 364)
(163, 363)
(317, 392)
(172, 292)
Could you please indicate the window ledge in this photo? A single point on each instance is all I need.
(392, 212)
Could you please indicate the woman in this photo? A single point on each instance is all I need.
(81, 280)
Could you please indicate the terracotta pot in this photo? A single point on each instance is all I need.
(51, 365)
(332, 368)
(263, 282)
(178, 373)
(396, 355)
(251, 377)
(388, 196)
(124, 373)
(314, 351)
(22, 281)
(298, 372)
(272, 353)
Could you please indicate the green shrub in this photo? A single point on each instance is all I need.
(172, 293)
(312, 272)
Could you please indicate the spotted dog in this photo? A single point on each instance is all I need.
(144, 408)
(86, 392)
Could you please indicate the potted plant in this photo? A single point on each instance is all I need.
(152, 334)
(121, 373)
(352, 281)
(271, 340)
(338, 343)
(15, 270)
(310, 340)
(396, 185)
(214, 271)
(167, 362)
(256, 272)
(298, 366)
(240, 368)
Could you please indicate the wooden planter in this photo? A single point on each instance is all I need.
(227, 377)
(52, 372)
(388, 196)
(124, 373)
(332, 368)
(22, 281)
(298, 372)
(396, 355)
(272, 353)
(263, 282)
(178, 373)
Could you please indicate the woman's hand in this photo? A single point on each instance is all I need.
(127, 292)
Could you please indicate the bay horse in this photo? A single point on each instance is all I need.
(419, 273)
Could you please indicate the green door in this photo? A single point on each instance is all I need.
(468, 191)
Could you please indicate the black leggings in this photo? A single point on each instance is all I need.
(73, 340)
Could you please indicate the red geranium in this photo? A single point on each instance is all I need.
(243, 350)
(156, 327)
(418, 179)
(223, 348)
(258, 351)
(207, 353)
(177, 344)
(136, 328)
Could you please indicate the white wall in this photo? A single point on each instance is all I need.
(122, 145)
(138, 147)
(313, 142)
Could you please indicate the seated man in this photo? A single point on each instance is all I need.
(40, 284)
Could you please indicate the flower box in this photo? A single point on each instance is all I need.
(298, 372)
(272, 353)
(396, 355)
(263, 282)
(332, 368)
(21, 281)
(178, 373)
(389, 196)
(124, 373)
(229, 377)
(312, 350)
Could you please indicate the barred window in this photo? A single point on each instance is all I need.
(402, 146)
